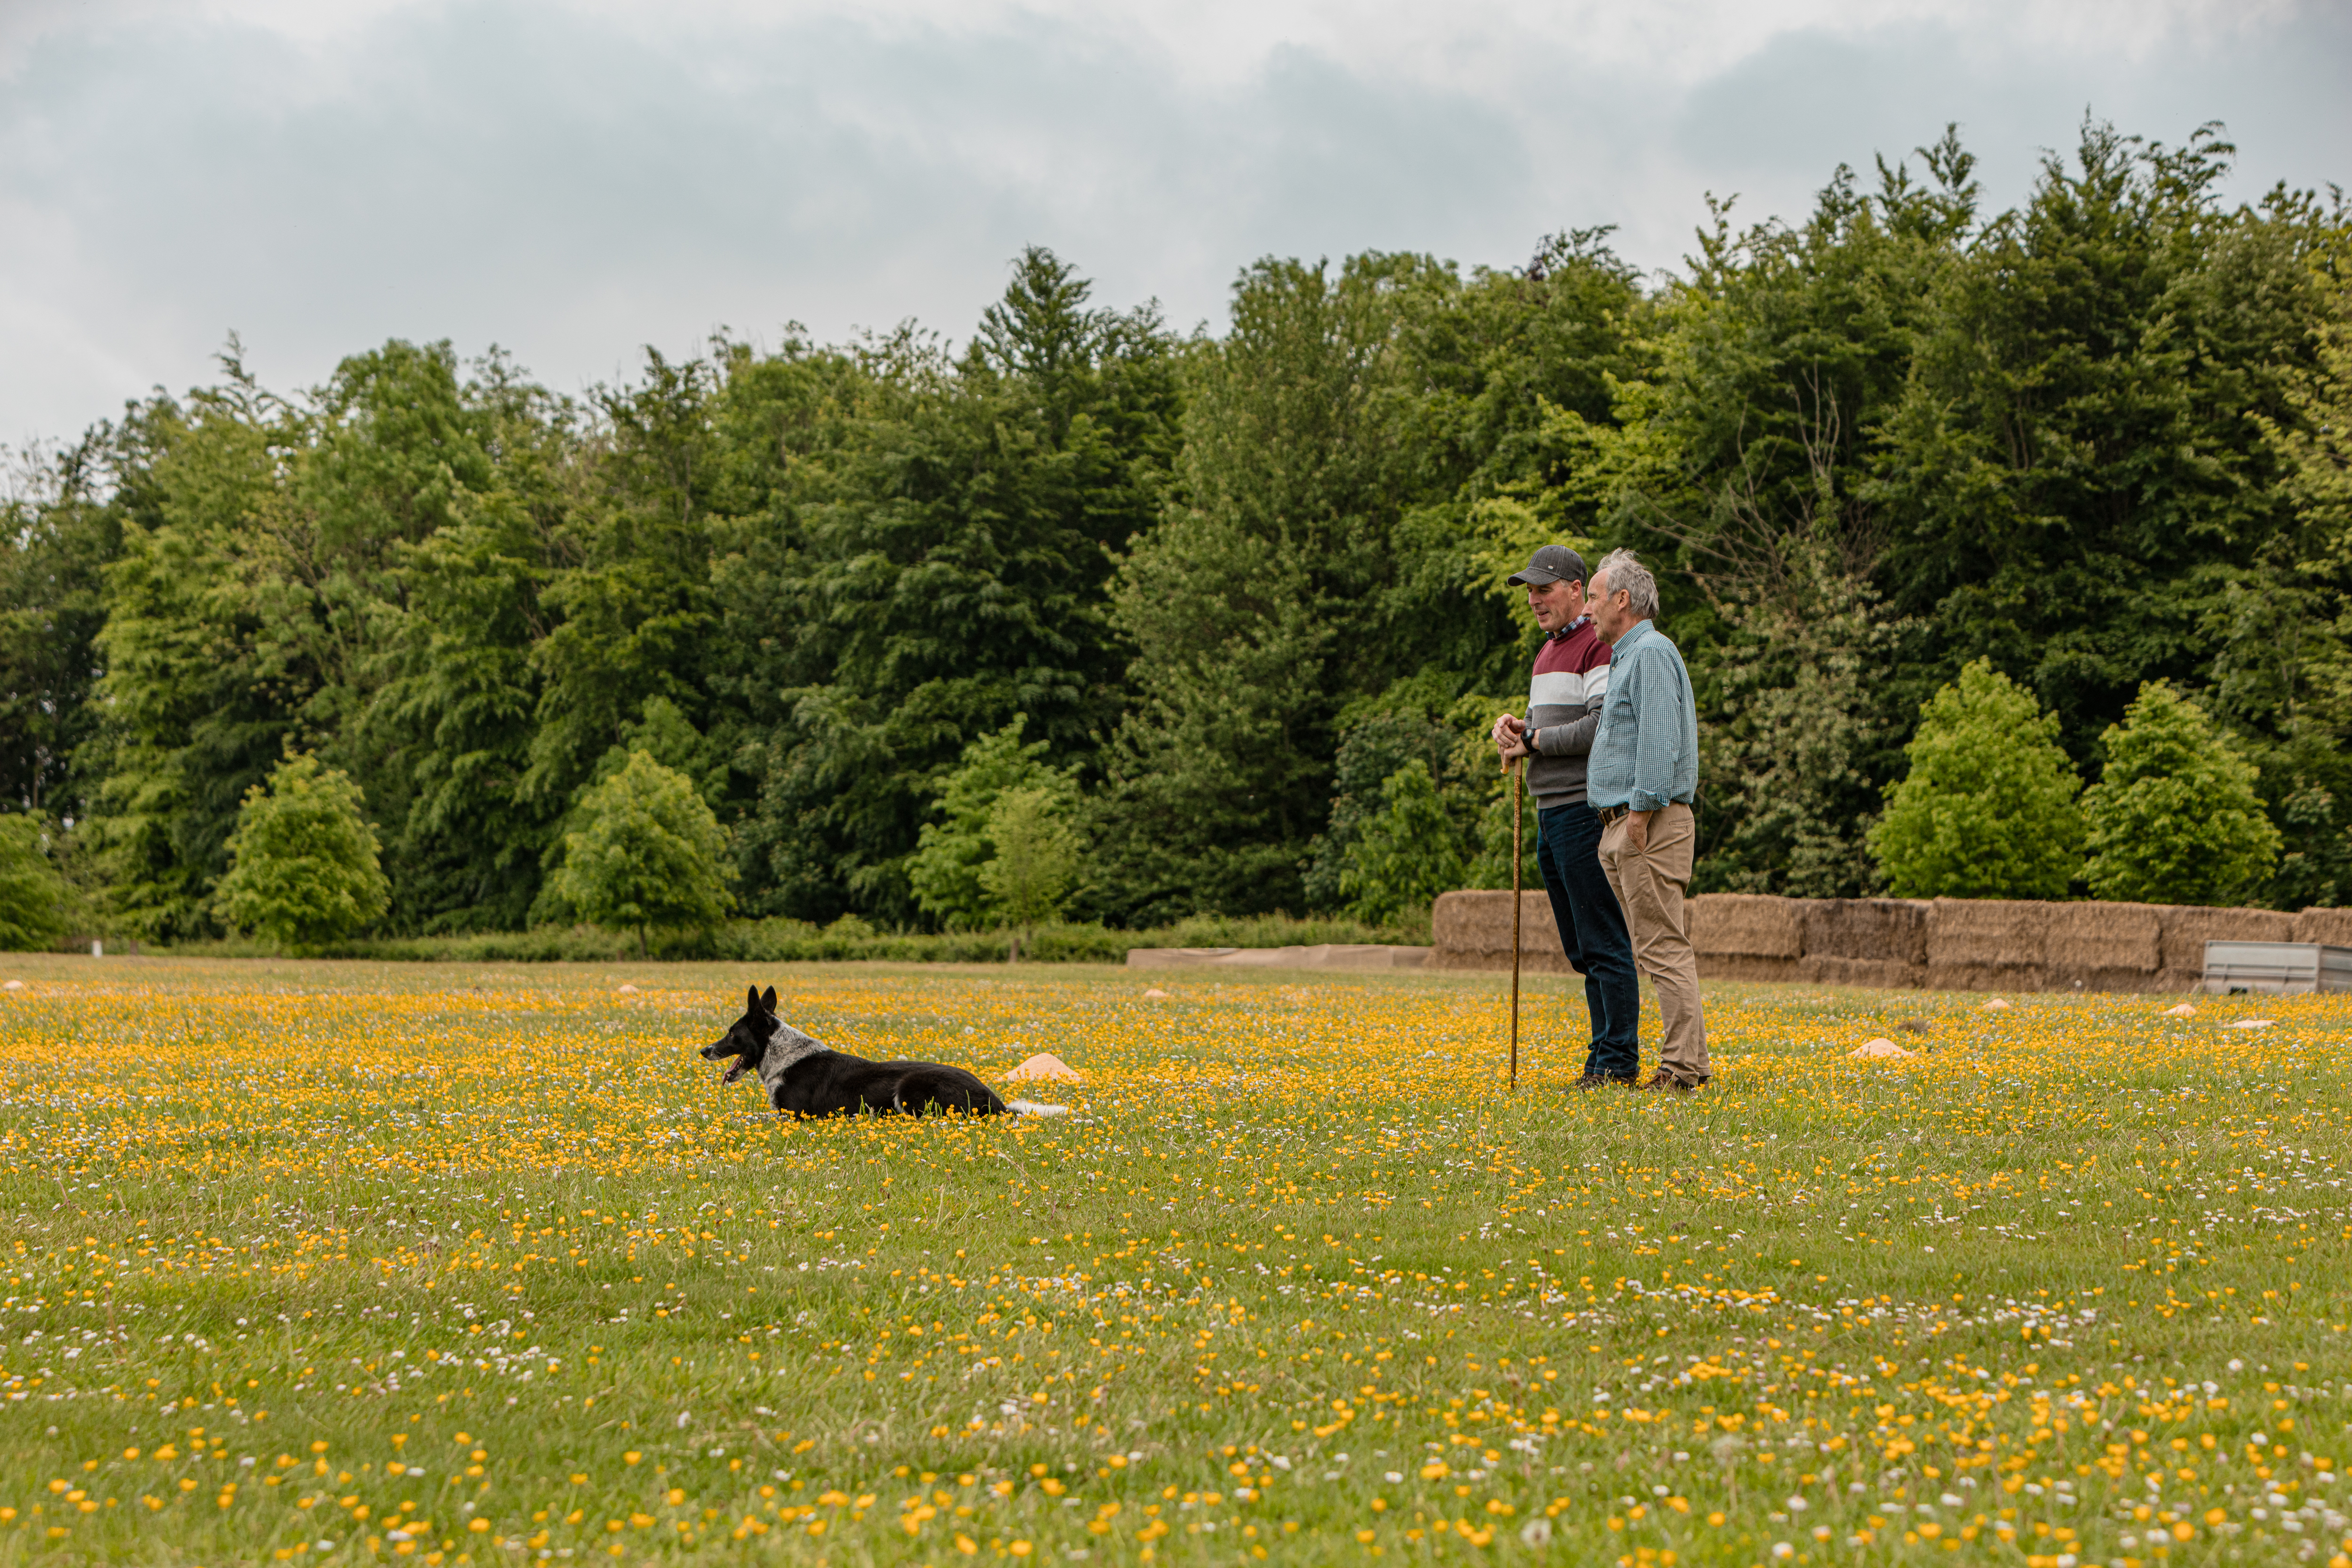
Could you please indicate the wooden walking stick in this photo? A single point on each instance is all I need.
(1519, 778)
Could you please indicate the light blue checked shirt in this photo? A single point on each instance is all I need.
(1646, 754)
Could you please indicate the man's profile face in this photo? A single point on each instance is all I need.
(1612, 612)
(1556, 605)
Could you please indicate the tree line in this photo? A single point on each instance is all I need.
(1214, 621)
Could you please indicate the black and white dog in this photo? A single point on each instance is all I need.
(804, 1077)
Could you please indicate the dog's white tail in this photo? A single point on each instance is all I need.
(1031, 1108)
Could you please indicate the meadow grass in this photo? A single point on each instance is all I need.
(347, 1262)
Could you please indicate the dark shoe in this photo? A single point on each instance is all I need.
(1665, 1085)
(1597, 1080)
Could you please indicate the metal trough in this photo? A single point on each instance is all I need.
(2276, 968)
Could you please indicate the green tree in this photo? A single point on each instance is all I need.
(2174, 818)
(303, 859)
(261, 599)
(1324, 543)
(36, 900)
(1036, 865)
(2078, 457)
(203, 686)
(1748, 464)
(933, 560)
(1987, 809)
(2283, 682)
(1377, 745)
(947, 870)
(1406, 856)
(648, 854)
(634, 608)
(56, 537)
(453, 723)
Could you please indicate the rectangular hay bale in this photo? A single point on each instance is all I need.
(1873, 930)
(1479, 921)
(1985, 934)
(2330, 928)
(1747, 925)
(2189, 927)
(2079, 938)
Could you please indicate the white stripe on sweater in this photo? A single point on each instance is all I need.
(1566, 689)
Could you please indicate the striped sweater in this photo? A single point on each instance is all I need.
(1572, 677)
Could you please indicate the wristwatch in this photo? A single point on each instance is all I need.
(1527, 738)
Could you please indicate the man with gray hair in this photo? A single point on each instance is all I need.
(1640, 781)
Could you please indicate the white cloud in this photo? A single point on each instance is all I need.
(572, 178)
(1457, 45)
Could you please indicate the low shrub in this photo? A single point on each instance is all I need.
(800, 941)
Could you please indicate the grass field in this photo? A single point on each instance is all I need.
(474, 1265)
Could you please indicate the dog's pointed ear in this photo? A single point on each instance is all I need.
(752, 999)
(769, 1001)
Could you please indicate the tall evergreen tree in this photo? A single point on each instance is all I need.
(933, 561)
(56, 538)
(2078, 465)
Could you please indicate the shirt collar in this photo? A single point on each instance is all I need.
(1573, 628)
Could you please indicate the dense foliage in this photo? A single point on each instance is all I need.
(2175, 819)
(1225, 590)
(952, 856)
(303, 866)
(1987, 809)
(34, 899)
(646, 856)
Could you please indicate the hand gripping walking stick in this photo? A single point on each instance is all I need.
(1518, 779)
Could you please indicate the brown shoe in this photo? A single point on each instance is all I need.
(1667, 1085)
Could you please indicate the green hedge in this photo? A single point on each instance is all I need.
(797, 942)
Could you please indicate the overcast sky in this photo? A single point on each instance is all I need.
(574, 179)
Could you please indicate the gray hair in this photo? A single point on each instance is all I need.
(1624, 571)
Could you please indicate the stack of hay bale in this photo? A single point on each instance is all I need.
(1939, 944)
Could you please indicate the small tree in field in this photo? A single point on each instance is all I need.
(2175, 819)
(647, 854)
(946, 868)
(304, 866)
(34, 896)
(1987, 808)
(1035, 866)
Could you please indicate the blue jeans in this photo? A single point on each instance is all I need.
(1592, 932)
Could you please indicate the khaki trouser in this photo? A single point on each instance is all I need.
(1649, 884)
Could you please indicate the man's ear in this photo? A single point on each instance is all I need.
(769, 1001)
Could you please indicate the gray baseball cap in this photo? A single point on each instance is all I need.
(1550, 565)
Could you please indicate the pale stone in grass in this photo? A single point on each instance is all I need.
(1872, 1050)
(2183, 1011)
(1155, 995)
(629, 990)
(2252, 1024)
(1045, 1065)
(1996, 1005)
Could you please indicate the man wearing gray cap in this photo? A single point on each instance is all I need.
(1564, 699)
